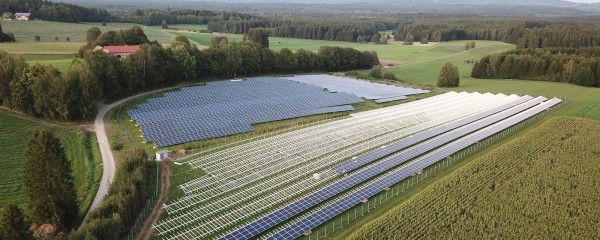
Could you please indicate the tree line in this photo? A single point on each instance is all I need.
(524, 33)
(43, 91)
(580, 66)
(154, 17)
(349, 30)
(125, 199)
(59, 12)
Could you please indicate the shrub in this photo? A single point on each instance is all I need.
(390, 76)
(376, 72)
(68, 39)
(37, 38)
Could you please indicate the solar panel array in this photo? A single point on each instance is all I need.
(231, 107)
(381, 93)
(244, 183)
(330, 211)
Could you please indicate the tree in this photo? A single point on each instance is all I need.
(472, 44)
(164, 24)
(108, 38)
(376, 38)
(467, 46)
(584, 77)
(135, 36)
(68, 39)
(259, 36)
(56, 39)
(49, 184)
(389, 76)
(409, 39)
(448, 76)
(91, 36)
(11, 68)
(13, 224)
(86, 91)
(376, 72)
(37, 38)
(218, 41)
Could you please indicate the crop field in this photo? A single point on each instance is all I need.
(543, 184)
(80, 147)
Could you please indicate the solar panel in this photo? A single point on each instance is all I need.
(226, 108)
(373, 91)
(368, 172)
(328, 212)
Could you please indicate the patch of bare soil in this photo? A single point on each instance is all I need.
(391, 63)
(146, 231)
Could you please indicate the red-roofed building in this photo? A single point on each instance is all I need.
(22, 16)
(120, 51)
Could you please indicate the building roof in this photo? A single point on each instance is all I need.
(22, 14)
(121, 49)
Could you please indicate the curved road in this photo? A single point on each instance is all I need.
(108, 160)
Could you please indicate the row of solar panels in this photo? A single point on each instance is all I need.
(226, 108)
(373, 91)
(468, 125)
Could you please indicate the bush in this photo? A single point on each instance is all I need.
(390, 76)
(68, 39)
(37, 38)
(56, 39)
(376, 72)
(448, 76)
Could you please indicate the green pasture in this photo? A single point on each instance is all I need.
(580, 101)
(25, 32)
(182, 27)
(80, 147)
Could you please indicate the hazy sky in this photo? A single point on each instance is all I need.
(584, 1)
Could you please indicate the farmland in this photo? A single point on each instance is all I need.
(543, 182)
(80, 148)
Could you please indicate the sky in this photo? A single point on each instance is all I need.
(585, 1)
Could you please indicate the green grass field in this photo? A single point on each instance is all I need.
(540, 184)
(25, 32)
(80, 147)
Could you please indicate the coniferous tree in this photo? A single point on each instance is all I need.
(49, 184)
(13, 224)
(448, 76)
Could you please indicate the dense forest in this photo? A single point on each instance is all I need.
(348, 31)
(579, 66)
(59, 12)
(153, 17)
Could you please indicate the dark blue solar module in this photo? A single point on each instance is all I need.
(330, 211)
(373, 91)
(303, 204)
(390, 99)
(375, 154)
(231, 107)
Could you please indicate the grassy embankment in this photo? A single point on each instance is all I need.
(80, 147)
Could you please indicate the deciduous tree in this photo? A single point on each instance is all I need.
(13, 224)
(448, 76)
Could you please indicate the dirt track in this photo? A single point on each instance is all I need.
(147, 230)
